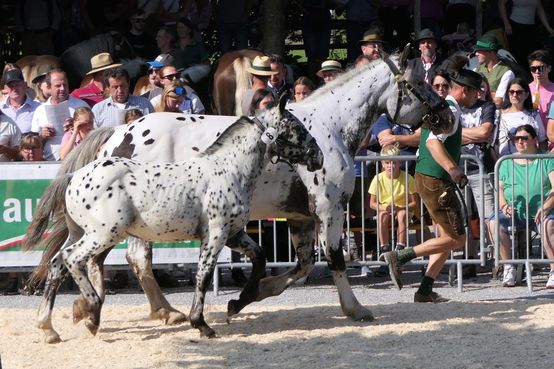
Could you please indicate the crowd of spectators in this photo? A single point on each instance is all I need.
(43, 119)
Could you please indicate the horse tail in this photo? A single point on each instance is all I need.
(243, 81)
(51, 209)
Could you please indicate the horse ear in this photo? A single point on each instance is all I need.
(402, 61)
(283, 99)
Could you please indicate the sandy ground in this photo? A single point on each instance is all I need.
(459, 334)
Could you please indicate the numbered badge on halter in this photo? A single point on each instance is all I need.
(269, 136)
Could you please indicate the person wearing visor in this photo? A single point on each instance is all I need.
(437, 177)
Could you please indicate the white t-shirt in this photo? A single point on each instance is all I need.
(52, 145)
(9, 134)
(508, 123)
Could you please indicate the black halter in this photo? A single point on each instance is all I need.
(432, 118)
(310, 152)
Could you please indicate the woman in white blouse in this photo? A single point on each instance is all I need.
(517, 111)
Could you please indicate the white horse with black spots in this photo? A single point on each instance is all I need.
(205, 197)
(339, 115)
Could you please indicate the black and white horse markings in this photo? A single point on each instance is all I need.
(339, 116)
(206, 197)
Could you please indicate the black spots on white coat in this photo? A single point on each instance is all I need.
(149, 141)
(107, 163)
(145, 133)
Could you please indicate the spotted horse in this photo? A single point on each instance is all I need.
(339, 115)
(206, 197)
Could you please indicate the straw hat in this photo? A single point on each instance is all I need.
(329, 65)
(261, 66)
(100, 62)
(42, 71)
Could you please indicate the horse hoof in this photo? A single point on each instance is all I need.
(168, 317)
(93, 328)
(207, 332)
(233, 307)
(362, 315)
(175, 317)
(52, 338)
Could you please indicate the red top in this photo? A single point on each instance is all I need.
(91, 94)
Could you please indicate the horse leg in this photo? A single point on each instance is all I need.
(76, 257)
(329, 235)
(242, 243)
(209, 252)
(302, 233)
(95, 270)
(139, 257)
(57, 272)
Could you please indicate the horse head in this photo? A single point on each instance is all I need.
(293, 143)
(415, 104)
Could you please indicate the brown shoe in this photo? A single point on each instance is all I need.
(432, 297)
(394, 269)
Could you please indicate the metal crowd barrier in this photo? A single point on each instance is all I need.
(525, 245)
(456, 261)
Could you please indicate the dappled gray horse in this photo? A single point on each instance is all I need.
(339, 115)
(205, 197)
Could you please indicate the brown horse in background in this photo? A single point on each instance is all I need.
(29, 65)
(231, 81)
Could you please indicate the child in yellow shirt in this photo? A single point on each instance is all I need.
(392, 198)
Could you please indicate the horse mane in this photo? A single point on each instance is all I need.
(228, 132)
(343, 78)
(242, 80)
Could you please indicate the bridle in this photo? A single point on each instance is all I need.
(308, 153)
(431, 118)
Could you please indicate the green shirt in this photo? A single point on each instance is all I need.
(514, 178)
(494, 76)
(452, 142)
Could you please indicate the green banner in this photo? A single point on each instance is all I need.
(21, 187)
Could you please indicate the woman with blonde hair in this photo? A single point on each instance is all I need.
(172, 98)
(83, 123)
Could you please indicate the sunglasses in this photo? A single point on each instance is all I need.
(437, 86)
(152, 71)
(139, 20)
(538, 69)
(521, 138)
(171, 77)
(516, 92)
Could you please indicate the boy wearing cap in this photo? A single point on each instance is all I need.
(437, 174)
(17, 106)
(93, 92)
(498, 74)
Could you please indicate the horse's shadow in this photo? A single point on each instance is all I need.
(326, 317)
